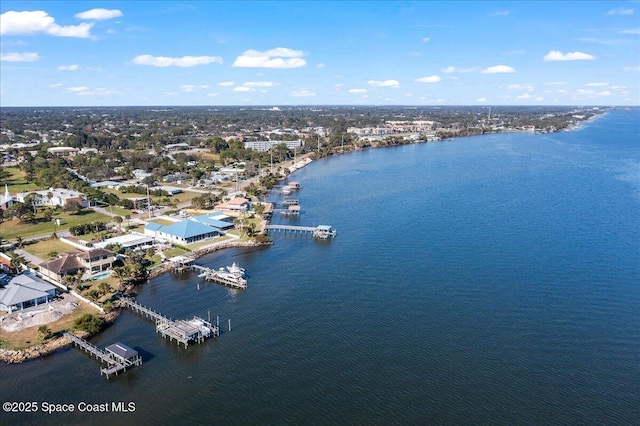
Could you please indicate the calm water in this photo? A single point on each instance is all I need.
(493, 280)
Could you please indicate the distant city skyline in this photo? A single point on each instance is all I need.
(137, 53)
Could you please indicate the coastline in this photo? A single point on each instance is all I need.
(48, 347)
(11, 356)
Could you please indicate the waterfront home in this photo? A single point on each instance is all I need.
(213, 221)
(184, 232)
(88, 263)
(236, 205)
(128, 241)
(24, 291)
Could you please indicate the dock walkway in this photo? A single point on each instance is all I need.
(114, 365)
(183, 331)
(322, 231)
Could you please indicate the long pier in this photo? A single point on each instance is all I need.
(321, 231)
(115, 363)
(183, 331)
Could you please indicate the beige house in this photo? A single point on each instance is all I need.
(87, 263)
(236, 205)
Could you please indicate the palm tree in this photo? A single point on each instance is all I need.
(19, 241)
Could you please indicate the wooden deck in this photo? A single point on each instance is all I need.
(114, 366)
(183, 331)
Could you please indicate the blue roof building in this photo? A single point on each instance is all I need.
(185, 232)
(213, 221)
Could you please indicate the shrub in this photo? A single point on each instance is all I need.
(90, 323)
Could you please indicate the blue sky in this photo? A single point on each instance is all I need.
(98, 53)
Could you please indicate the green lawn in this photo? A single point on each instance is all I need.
(16, 182)
(12, 229)
(174, 252)
(42, 249)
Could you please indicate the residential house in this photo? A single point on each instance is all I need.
(87, 263)
(236, 205)
(54, 197)
(24, 291)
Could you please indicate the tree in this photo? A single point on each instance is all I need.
(104, 287)
(90, 323)
(258, 208)
(19, 241)
(44, 332)
(73, 206)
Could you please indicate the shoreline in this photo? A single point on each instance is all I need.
(49, 347)
(11, 356)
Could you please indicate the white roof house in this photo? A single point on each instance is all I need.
(24, 291)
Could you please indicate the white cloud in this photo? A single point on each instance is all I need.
(320, 65)
(259, 84)
(212, 94)
(426, 39)
(631, 69)
(338, 85)
(385, 83)
(523, 96)
(187, 87)
(78, 89)
(604, 93)
(632, 31)
(500, 13)
(498, 69)
(599, 84)
(452, 69)
(556, 55)
(481, 100)
(539, 98)
(38, 21)
(242, 89)
(301, 93)
(357, 91)
(620, 11)
(430, 79)
(204, 86)
(19, 57)
(99, 14)
(184, 62)
(527, 87)
(73, 67)
(55, 86)
(280, 57)
(226, 83)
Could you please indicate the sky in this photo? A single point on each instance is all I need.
(128, 53)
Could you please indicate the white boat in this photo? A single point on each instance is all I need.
(235, 270)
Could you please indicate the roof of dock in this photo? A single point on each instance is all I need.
(121, 350)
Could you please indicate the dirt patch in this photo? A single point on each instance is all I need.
(39, 315)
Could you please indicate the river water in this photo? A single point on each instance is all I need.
(490, 280)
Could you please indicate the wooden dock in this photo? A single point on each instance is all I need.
(322, 231)
(183, 331)
(227, 278)
(115, 363)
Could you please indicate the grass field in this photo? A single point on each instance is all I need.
(16, 182)
(42, 249)
(12, 228)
